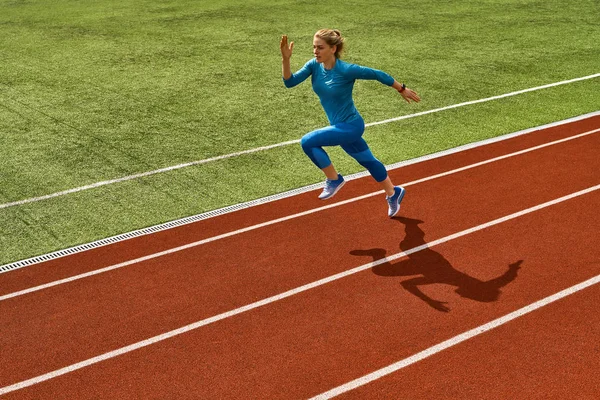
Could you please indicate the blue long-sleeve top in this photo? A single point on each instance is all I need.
(334, 86)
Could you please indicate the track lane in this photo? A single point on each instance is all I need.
(138, 247)
(148, 299)
(552, 353)
(309, 343)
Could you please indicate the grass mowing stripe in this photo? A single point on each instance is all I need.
(321, 282)
(264, 148)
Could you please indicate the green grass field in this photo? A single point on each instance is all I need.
(91, 91)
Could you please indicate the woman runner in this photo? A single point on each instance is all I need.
(333, 81)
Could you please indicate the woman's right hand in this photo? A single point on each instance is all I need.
(286, 50)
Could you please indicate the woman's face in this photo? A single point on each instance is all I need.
(322, 51)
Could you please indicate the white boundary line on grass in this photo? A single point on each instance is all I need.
(501, 96)
(282, 219)
(225, 210)
(321, 282)
(259, 149)
(455, 340)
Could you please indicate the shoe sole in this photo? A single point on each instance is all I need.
(402, 193)
(337, 189)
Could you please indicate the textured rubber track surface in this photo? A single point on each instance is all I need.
(321, 338)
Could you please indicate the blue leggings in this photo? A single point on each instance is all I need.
(349, 136)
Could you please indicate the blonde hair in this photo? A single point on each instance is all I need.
(332, 37)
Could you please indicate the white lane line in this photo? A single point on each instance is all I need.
(282, 144)
(282, 219)
(466, 103)
(281, 296)
(140, 175)
(454, 341)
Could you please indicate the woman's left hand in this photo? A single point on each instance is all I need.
(409, 95)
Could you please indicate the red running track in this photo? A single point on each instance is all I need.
(324, 337)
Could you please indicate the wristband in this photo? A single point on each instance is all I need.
(402, 88)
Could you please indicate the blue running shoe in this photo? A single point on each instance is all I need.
(395, 200)
(332, 187)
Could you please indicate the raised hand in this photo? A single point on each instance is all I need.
(286, 50)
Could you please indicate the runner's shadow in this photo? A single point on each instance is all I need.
(434, 268)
